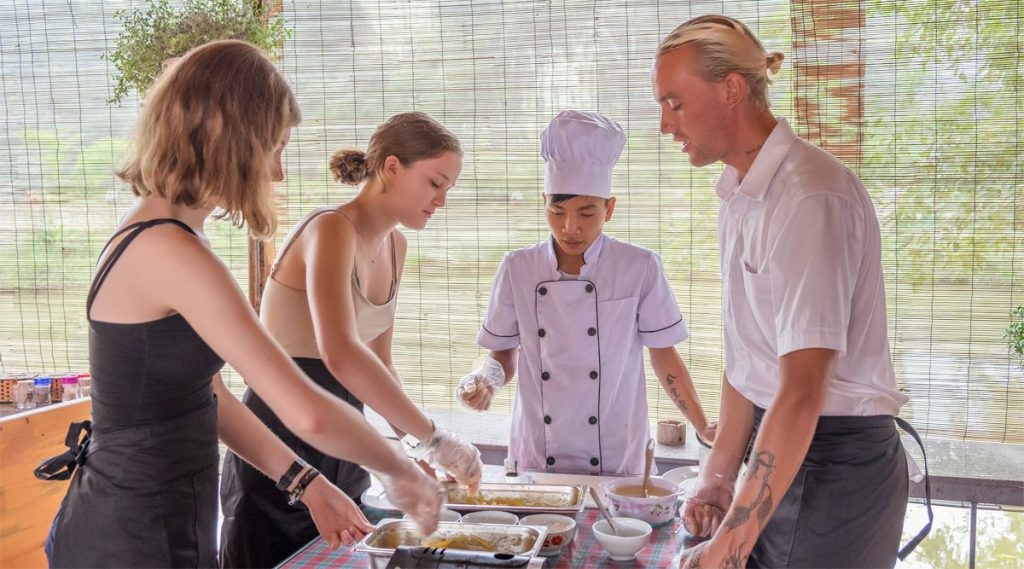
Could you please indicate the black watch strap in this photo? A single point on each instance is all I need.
(289, 476)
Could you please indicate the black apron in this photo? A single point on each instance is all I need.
(145, 494)
(260, 529)
(848, 501)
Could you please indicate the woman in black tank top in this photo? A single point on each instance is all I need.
(164, 314)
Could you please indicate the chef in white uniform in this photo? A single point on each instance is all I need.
(579, 308)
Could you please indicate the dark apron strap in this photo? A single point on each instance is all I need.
(62, 466)
(909, 547)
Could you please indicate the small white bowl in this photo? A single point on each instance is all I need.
(491, 517)
(561, 531)
(633, 537)
(446, 516)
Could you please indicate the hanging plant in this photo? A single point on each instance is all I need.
(1015, 336)
(161, 30)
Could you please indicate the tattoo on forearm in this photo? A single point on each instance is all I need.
(677, 398)
(764, 464)
(694, 561)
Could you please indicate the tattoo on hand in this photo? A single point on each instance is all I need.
(764, 463)
(735, 559)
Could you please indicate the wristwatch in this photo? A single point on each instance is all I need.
(290, 475)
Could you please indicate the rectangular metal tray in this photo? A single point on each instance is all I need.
(520, 498)
(381, 543)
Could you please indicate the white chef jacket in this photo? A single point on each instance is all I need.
(581, 403)
(801, 268)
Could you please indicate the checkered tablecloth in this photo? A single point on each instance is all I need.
(584, 552)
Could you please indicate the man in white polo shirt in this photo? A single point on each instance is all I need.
(808, 374)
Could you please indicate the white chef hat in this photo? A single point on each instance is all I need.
(581, 149)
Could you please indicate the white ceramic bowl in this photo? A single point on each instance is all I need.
(633, 537)
(655, 510)
(491, 517)
(446, 516)
(561, 531)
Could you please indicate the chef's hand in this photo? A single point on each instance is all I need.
(416, 494)
(456, 457)
(337, 517)
(709, 432)
(477, 389)
(707, 504)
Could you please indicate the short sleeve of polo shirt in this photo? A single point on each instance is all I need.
(813, 262)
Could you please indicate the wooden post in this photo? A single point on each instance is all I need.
(261, 253)
(828, 43)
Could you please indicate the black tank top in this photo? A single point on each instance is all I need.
(149, 371)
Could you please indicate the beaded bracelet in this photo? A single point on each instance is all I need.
(296, 494)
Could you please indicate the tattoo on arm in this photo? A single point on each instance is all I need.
(764, 464)
(676, 396)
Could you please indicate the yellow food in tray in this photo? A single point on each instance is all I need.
(485, 498)
(461, 541)
(464, 539)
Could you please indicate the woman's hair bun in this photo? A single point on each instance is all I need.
(349, 166)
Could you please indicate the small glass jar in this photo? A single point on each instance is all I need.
(24, 394)
(69, 387)
(84, 385)
(42, 385)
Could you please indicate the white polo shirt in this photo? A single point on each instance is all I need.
(801, 268)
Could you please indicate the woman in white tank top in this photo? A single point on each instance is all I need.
(330, 302)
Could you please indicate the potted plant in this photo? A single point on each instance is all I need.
(1015, 335)
(161, 30)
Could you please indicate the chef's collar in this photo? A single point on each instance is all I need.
(589, 256)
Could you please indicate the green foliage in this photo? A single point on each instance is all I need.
(159, 31)
(1015, 335)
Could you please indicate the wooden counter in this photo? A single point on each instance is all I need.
(27, 505)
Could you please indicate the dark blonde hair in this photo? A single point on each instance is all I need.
(208, 131)
(408, 136)
(725, 45)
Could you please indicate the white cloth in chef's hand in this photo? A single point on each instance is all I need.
(459, 459)
(487, 375)
(416, 494)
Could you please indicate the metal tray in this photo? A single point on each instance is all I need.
(380, 544)
(520, 498)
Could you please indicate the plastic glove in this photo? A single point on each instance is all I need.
(416, 494)
(337, 517)
(707, 503)
(457, 458)
(476, 390)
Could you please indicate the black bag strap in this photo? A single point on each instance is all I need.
(62, 466)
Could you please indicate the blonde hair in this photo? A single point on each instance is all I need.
(724, 45)
(208, 131)
(410, 137)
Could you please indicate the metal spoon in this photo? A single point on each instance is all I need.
(648, 459)
(604, 511)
